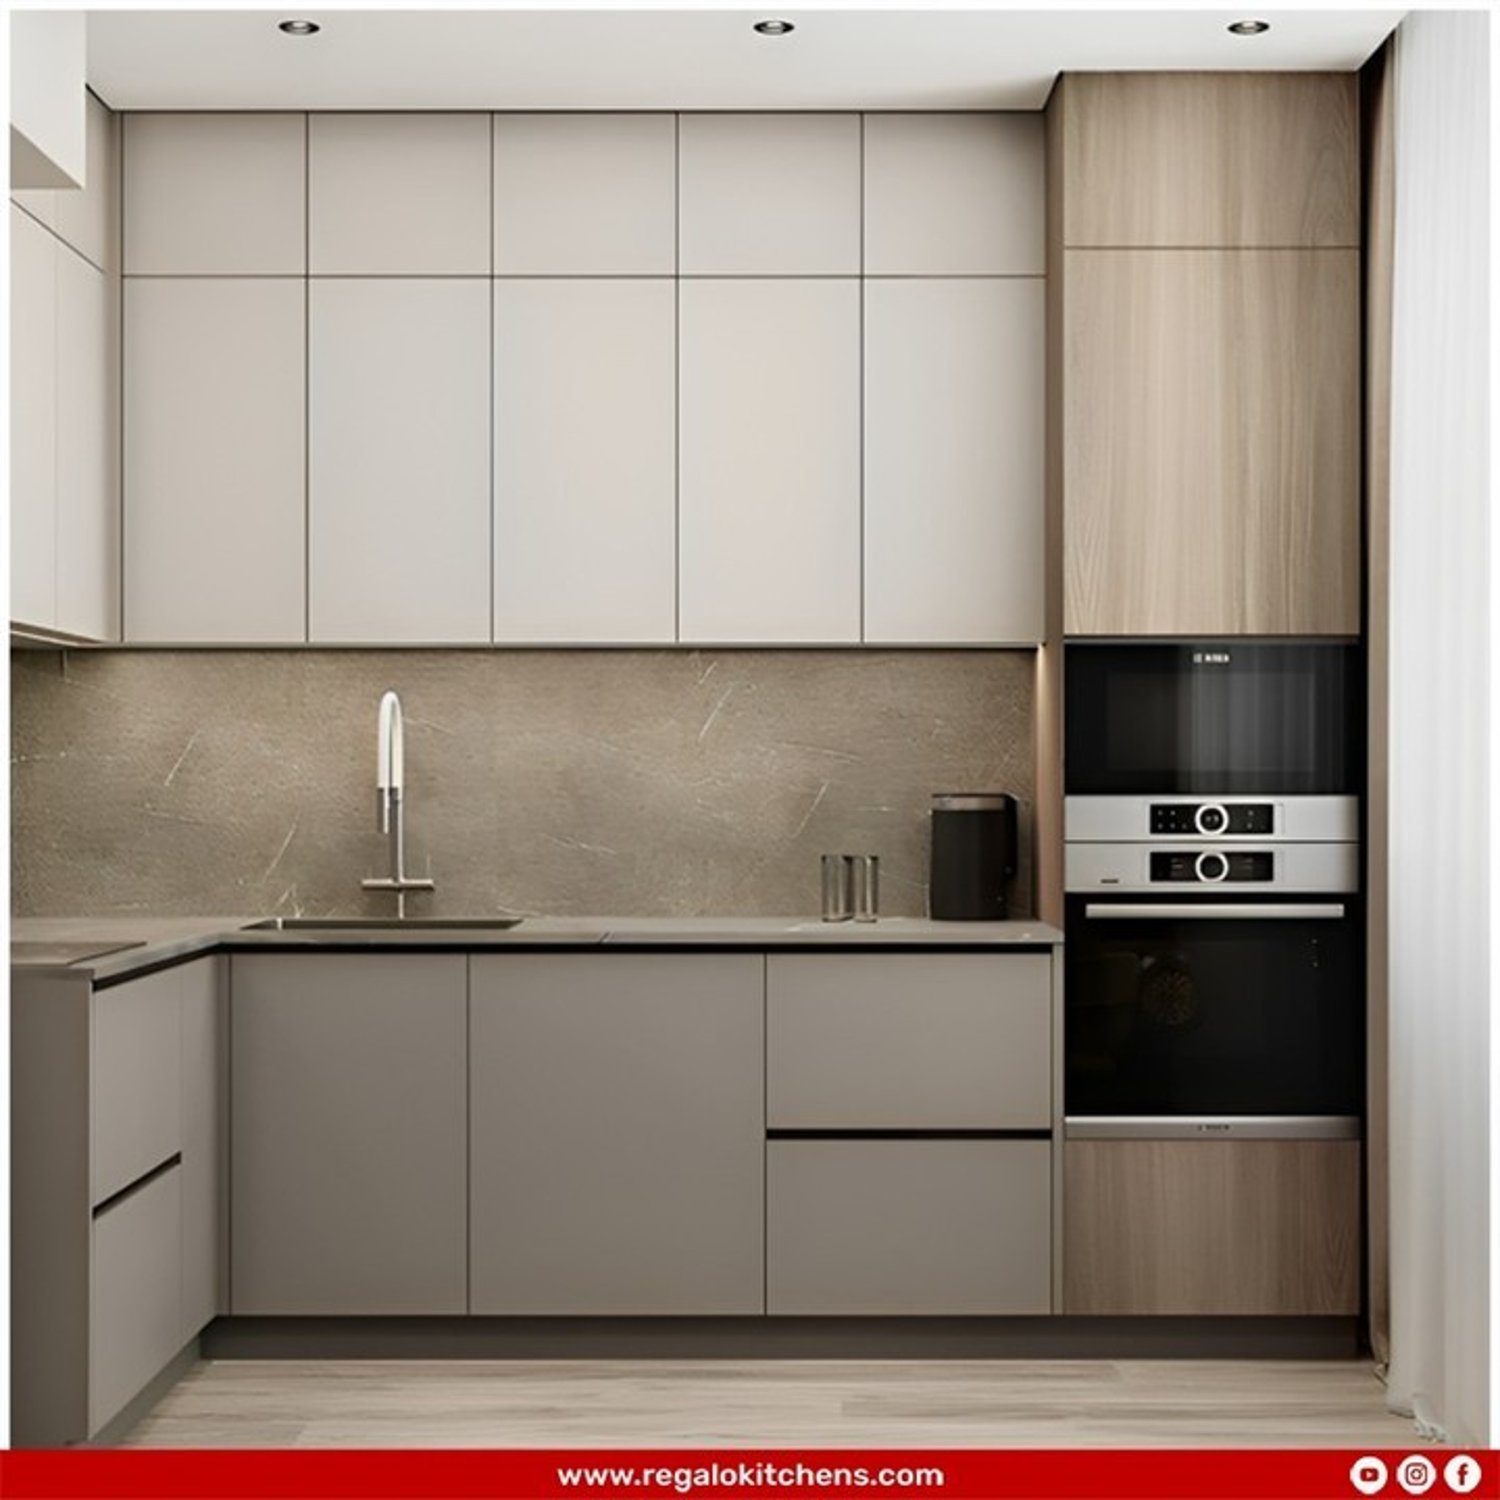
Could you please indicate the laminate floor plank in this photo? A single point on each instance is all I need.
(761, 1403)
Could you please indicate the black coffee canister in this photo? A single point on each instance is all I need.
(973, 856)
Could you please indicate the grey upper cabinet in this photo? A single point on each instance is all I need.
(399, 194)
(33, 422)
(348, 1134)
(769, 195)
(954, 195)
(215, 194)
(65, 433)
(954, 436)
(585, 463)
(585, 194)
(617, 1133)
(399, 461)
(769, 461)
(214, 460)
(87, 218)
(88, 449)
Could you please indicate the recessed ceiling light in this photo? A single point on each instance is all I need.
(299, 28)
(774, 28)
(1249, 28)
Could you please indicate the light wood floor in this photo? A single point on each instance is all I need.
(604, 1403)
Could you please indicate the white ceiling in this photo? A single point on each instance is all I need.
(679, 59)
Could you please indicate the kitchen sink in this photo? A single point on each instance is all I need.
(383, 924)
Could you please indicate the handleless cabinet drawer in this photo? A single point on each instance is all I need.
(930, 1227)
(135, 1291)
(909, 1041)
(134, 1093)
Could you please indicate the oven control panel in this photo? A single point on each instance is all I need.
(1209, 819)
(1212, 866)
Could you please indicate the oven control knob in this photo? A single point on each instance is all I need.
(1212, 866)
(1212, 817)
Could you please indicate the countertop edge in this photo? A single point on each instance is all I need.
(156, 950)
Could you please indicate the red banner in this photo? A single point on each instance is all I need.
(967, 1474)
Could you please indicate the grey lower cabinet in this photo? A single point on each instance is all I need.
(348, 1134)
(203, 1112)
(909, 1041)
(118, 1189)
(916, 1226)
(135, 1302)
(617, 1133)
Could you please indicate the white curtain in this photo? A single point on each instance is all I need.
(1439, 712)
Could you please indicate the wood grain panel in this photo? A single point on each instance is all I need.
(1378, 89)
(1212, 159)
(1212, 459)
(1224, 1227)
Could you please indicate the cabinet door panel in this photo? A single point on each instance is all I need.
(215, 194)
(954, 444)
(1199, 159)
(617, 1133)
(214, 494)
(769, 481)
(88, 451)
(1211, 1227)
(134, 1070)
(33, 422)
(134, 1294)
(347, 1134)
(954, 195)
(398, 194)
(399, 461)
(908, 1227)
(204, 1143)
(907, 1041)
(585, 194)
(770, 195)
(585, 465)
(1211, 454)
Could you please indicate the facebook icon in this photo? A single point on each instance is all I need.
(1462, 1474)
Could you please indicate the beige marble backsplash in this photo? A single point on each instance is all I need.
(581, 782)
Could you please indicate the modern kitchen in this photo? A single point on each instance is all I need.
(736, 729)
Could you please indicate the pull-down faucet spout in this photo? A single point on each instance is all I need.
(390, 811)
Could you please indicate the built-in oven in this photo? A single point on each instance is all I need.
(1214, 968)
(1235, 1012)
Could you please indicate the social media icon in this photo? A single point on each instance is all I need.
(1462, 1474)
(1367, 1475)
(1415, 1474)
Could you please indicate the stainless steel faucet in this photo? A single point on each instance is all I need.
(390, 812)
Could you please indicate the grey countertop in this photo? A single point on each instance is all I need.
(41, 944)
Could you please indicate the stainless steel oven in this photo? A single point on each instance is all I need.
(1214, 962)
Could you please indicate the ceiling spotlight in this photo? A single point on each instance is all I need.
(1249, 28)
(774, 28)
(299, 28)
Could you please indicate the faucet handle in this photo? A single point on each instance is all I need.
(405, 883)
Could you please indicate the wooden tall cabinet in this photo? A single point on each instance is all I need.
(1247, 1227)
(1207, 233)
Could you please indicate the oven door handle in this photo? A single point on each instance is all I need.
(1206, 911)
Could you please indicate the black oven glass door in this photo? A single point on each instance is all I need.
(1222, 717)
(1213, 1007)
